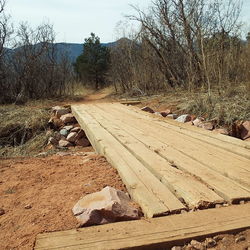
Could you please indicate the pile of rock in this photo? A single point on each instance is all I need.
(67, 132)
(240, 130)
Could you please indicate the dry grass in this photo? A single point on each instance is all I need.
(22, 129)
(227, 107)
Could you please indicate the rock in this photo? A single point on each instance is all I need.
(172, 116)
(64, 144)
(237, 129)
(72, 137)
(184, 118)
(176, 248)
(75, 129)
(207, 125)
(55, 108)
(166, 112)
(240, 238)
(147, 109)
(55, 123)
(218, 237)
(64, 132)
(62, 111)
(222, 131)
(80, 134)
(68, 118)
(197, 245)
(108, 205)
(158, 113)
(69, 127)
(53, 141)
(82, 142)
(210, 243)
(28, 206)
(245, 130)
(2, 211)
(198, 121)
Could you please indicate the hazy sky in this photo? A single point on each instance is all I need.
(74, 20)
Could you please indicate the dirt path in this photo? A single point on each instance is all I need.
(37, 194)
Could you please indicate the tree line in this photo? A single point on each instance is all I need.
(189, 44)
(32, 69)
(186, 44)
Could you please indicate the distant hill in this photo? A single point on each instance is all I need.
(73, 50)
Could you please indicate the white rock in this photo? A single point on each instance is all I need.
(72, 136)
(69, 127)
(68, 118)
(64, 144)
(184, 118)
(76, 129)
(172, 116)
(108, 205)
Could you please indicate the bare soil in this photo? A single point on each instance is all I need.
(37, 194)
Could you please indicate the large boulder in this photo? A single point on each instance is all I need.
(184, 118)
(108, 205)
(245, 130)
(68, 118)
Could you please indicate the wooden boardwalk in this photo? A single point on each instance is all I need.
(167, 167)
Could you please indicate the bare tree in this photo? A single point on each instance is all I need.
(181, 32)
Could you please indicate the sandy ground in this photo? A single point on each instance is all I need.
(37, 194)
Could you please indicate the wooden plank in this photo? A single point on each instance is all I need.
(154, 198)
(186, 186)
(228, 143)
(130, 102)
(157, 233)
(205, 134)
(225, 187)
(224, 162)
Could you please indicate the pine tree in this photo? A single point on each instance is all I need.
(93, 63)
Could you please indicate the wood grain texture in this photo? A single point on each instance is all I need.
(153, 196)
(156, 233)
(222, 161)
(184, 185)
(227, 188)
